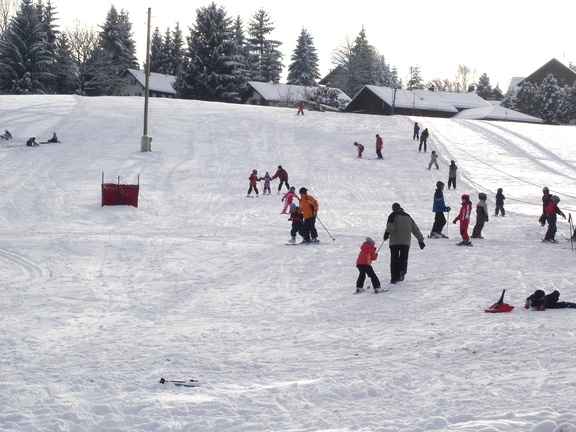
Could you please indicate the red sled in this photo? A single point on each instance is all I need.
(500, 306)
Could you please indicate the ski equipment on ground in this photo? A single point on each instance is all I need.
(179, 383)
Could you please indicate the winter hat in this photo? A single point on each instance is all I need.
(439, 184)
(369, 240)
(433, 152)
(279, 166)
(396, 206)
(539, 295)
(293, 207)
(303, 190)
(466, 197)
(499, 190)
(355, 143)
(254, 172)
(545, 190)
(482, 196)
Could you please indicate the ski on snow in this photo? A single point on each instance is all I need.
(180, 383)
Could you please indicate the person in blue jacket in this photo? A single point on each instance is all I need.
(439, 207)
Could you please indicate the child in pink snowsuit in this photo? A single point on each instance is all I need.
(266, 179)
(464, 218)
(289, 197)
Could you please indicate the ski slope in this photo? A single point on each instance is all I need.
(98, 303)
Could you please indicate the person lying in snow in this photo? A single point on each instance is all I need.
(540, 301)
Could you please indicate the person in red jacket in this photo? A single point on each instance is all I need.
(253, 179)
(379, 146)
(464, 218)
(367, 254)
(282, 175)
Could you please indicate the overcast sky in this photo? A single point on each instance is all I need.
(502, 38)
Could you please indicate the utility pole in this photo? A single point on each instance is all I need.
(146, 140)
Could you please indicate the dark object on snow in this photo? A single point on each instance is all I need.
(541, 301)
(500, 306)
(179, 383)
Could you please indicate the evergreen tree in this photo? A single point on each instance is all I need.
(415, 80)
(65, 70)
(567, 105)
(526, 99)
(304, 67)
(210, 68)
(116, 53)
(156, 51)
(265, 58)
(484, 89)
(25, 58)
(548, 94)
(175, 49)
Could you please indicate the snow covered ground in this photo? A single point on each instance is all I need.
(98, 303)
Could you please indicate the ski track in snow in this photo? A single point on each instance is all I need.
(98, 303)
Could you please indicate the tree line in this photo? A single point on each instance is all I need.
(214, 61)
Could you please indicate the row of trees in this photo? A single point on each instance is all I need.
(548, 101)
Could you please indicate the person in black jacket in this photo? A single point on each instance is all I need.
(540, 301)
(423, 138)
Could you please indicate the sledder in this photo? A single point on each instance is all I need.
(54, 139)
(6, 135)
(541, 301)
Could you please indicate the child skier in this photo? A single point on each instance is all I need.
(266, 179)
(364, 265)
(499, 203)
(452, 174)
(481, 216)
(253, 179)
(464, 218)
(433, 160)
(289, 197)
(297, 223)
(360, 149)
(551, 211)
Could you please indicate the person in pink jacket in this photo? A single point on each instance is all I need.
(464, 218)
(289, 197)
(367, 254)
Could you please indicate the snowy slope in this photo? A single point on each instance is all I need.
(98, 303)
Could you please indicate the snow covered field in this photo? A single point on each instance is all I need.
(98, 303)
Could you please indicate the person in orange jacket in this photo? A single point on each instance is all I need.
(309, 211)
(379, 146)
(253, 179)
(367, 254)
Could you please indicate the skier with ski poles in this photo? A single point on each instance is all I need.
(439, 207)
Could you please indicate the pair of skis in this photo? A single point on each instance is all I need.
(180, 383)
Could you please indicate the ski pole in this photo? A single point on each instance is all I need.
(333, 239)
(380, 246)
(571, 227)
(447, 223)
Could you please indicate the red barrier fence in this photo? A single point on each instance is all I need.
(120, 194)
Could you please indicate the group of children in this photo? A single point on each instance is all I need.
(253, 180)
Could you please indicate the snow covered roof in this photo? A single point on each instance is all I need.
(496, 113)
(274, 92)
(158, 82)
(428, 100)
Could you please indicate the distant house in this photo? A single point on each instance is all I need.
(159, 85)
(286, 95)
(388, 101)
(564, 75)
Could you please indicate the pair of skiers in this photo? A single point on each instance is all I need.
(550, 210)
(464, 218)
(303, 219)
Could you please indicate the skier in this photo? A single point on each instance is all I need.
(433, 160)
(32, 142)
(540, 301)
(416, 134)
(266, 179)
(360, 149)
(423, 139)
(7, 135)
(300, 108)
(481, 216)
(309, 211)
(439, 207)
(499, 203)
(464, 218)
(283, 176)
(399, 229)
(452, 174)
(54, 138)
(379, 146)
(253, 179)
(364, 265)
(288, 198)
(297, 224)
(546, 198)
(551, 211)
